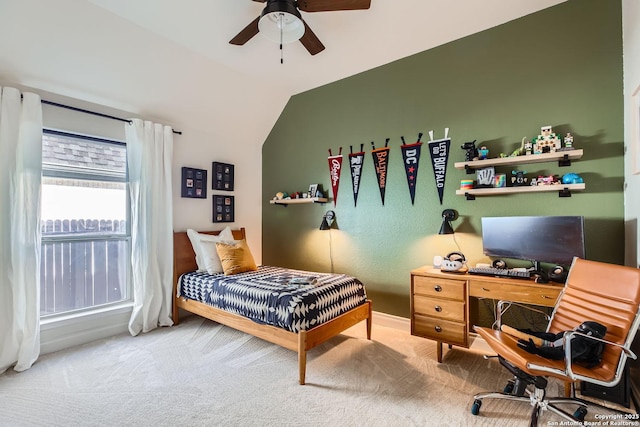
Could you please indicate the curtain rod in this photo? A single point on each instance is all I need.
(68, 107)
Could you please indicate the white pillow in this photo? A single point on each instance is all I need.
(211, 258)
(196, 238)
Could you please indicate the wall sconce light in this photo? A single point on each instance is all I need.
(327, 220)
(448, 215)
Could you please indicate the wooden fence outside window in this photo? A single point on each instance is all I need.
(83, 263)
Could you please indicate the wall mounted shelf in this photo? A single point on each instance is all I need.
(564, 190)
(562, 157)
(286, 202)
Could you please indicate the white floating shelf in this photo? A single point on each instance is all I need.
(519, 160)
(299, 201)
(523, 189)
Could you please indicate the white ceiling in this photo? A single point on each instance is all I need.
(355, 40)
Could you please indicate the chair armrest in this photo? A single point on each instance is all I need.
(567, 338)
(501, 310)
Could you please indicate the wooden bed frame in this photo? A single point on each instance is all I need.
(184, 261)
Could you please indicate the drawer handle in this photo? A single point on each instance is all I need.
(438, 288)
(438, 308)
(485, 289)
(438, 329)
(546, 297)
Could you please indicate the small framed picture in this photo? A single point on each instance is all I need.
(223, 208)
(222, 176)
(194, 183)
(313, 190)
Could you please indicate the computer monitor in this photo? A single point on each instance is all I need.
(550, 239)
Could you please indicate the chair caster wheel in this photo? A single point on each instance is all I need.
(508, 389)
(475, 408)
(580, 413)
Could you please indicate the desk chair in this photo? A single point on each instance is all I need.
(605, 293)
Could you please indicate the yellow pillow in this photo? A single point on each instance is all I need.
(235, 257)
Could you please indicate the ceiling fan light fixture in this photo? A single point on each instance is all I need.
(281, 22)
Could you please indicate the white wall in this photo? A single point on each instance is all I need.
(631, 55)
(631, 52)
(75, 53)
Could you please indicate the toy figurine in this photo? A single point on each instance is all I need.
(568, 142)
(518, 179)
(483, 152)
(546, 142)
(545, 180)
(471, 151)
(281, 195)
(572, 178)
(524, 149)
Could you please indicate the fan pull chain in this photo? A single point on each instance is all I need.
(281, 17)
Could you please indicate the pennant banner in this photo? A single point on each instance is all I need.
(335, 168)
(380, 162)
(356, 161)
(439, 150)
(411, 160)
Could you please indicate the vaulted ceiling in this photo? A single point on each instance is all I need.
(355, 41)
(171, 60)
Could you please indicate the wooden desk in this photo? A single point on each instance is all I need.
(440, 301)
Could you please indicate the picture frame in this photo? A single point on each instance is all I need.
(223, 176)
(635, 131)
(194, 183)
(223, 208)
(313, 190)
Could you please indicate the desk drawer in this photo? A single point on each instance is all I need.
(437, 307)
(440, 330)
(439, 288)
(526, 292)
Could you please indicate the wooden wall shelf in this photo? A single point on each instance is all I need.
(563, 158)
(559, 156)
(564, 190)
(286, 202)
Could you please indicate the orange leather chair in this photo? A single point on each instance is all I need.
(605, 293)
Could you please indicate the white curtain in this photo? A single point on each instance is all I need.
(21, 174)
(149, 153)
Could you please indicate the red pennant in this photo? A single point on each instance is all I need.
(335, 168)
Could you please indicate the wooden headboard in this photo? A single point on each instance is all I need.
(184, 259)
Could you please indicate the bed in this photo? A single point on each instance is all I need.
(300, 337)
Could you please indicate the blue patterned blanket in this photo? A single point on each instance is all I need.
(294, 300)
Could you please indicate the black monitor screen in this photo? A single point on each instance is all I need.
(552, 239)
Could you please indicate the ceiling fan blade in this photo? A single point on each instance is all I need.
(261, 1)
(246, 34)
(330, 5)
(310, 41)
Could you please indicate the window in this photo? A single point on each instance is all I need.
(85, 223)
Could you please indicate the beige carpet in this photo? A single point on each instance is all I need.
(202, 374)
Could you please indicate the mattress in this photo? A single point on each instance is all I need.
(294, 300)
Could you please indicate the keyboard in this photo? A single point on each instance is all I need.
(500, 272)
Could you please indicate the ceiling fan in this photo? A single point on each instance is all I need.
(281, 21)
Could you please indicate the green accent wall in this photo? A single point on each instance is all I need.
(561, 67)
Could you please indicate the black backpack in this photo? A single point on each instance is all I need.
(584, 351)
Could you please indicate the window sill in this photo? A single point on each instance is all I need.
(58, 332)
(95, 312)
